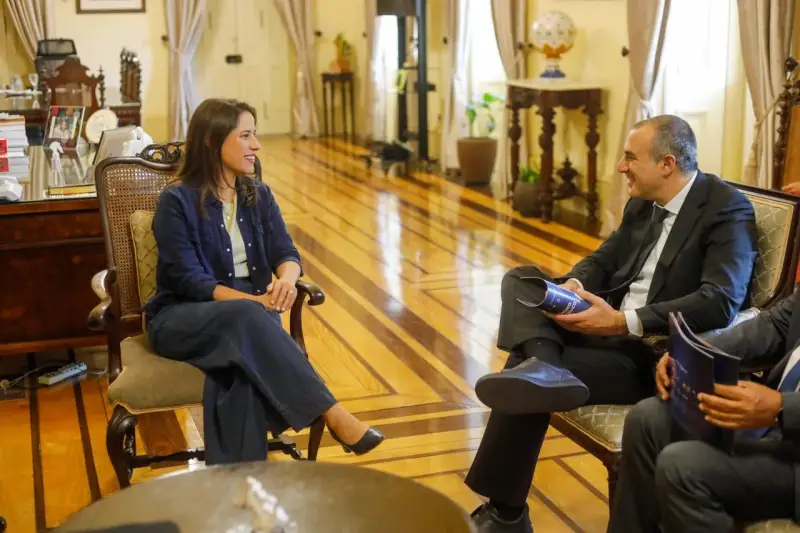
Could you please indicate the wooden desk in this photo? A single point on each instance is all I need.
(548, 95)
(49, 251)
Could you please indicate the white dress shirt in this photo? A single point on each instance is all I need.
(637, 292)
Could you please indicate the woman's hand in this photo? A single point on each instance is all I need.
(792, 188)
(280, 295)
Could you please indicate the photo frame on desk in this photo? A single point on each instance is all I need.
(64, 126)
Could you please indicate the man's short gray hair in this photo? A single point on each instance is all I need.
(672, 136)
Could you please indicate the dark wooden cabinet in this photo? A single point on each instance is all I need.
(49, 251)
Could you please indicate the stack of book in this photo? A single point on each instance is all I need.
(13, 142)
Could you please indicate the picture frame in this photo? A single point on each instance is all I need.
(74, 171)
(84, 7)
(64, 126)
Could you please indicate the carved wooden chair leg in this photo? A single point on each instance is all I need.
(315, 438)
(121, 444)
(613, 473)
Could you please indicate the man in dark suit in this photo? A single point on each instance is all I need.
(690, 486)
(686, 242)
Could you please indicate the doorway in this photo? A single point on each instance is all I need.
(244, 53)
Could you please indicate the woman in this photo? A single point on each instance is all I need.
(220, 236)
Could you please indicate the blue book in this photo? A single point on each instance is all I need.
(696, 367)
(553, 299)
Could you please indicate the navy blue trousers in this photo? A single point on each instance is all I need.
(257, 378)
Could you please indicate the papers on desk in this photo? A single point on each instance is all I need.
(13, 142)
(10, 93)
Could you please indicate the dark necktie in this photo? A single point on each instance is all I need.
(614, 296)
(649, 242)
(791, 380)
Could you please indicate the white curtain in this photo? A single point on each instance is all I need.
(509, 18)
(296, 16)
(186, 21)
(456, 86)
(384, 73)
(765, 27)
(647, 25)
(33, 20)
(369, 89)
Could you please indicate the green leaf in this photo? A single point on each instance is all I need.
(472, 114)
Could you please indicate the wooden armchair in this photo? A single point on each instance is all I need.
(598, 428)
(73, 86)
(140, 381)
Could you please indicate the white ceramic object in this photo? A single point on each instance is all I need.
(553, 34)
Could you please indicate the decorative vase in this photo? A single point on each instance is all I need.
(476, 157)
(526, 198)
(553, 33)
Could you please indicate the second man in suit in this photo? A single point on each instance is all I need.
(687, 242)
(690, 486)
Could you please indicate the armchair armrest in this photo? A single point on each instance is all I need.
(660, 343)
(315, 294)
(98, 317)
(315, 297)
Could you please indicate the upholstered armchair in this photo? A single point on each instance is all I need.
(598, 428)
(140, 381)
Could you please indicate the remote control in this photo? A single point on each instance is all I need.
(62, 373)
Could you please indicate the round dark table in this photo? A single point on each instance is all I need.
(319, 497)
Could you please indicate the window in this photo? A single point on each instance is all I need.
(485, 72)
(702, 81)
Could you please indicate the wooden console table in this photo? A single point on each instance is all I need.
(547, 96)
(345, 82)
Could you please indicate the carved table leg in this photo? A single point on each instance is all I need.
(325, 105)
(514, 134)
(592, 109)
(546, 142)
(343, 93)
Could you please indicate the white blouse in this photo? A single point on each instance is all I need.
(237, 242)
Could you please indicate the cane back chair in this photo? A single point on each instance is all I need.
(598, 428)
(139, 381)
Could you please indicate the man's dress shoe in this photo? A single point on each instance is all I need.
(486, 520)
(532, 387)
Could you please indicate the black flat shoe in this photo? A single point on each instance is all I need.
(532, 387)
(367, 443)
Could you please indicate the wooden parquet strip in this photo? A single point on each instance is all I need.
(412, 269)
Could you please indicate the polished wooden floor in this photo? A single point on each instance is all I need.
(412, 269)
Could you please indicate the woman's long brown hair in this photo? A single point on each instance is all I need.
(210, 125)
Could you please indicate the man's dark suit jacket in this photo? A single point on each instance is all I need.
(704, 269)
(769, 339)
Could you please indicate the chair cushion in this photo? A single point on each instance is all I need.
(145, 253)
(603, 423)
(773, 526)
(152, 383)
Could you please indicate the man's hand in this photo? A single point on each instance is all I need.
(792, 188)
(280, 295)
(746, 405)
(571, 285)
(599, 319)
(664, 376)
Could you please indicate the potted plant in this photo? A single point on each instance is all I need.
(526, 191)
(477, 153)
